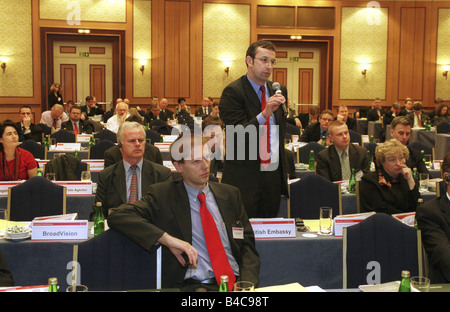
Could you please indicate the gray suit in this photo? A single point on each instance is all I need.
(111, 186)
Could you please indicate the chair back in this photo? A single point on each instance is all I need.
(46, 130)
(355, 137)
(66, 168)
(378, 249)
(421, 146)
(307, 195)
(106, 134)
(291, 130)
(154, 136)
(98, 150)
(38, 150)
(112, 262)
(35, 197)
(303, 152)
(443, 127)
(371, 147)
(63, 136)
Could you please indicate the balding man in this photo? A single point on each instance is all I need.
(54, 117)
(120, 114)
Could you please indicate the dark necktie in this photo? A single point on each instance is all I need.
(264, 143)
(134, 194)
(217, 255)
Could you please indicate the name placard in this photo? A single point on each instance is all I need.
(95, 165)
(60, 230)
(4, 185)
(163, 147)
(76, 187)
(85, 138)
(67, 147)
(273, 228)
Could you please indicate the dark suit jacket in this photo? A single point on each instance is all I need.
(84, 126)
(381, 198)
(239, 105)
(329, 165)
(93, 111)
(199, 112)
(423, 117)
(166, 208)
(311, 133)
(111, 186)
(372, 114)
(34, 134)
(351, 124)
(433, 219)
(148, 117)
(166, 114)
(415, 161)
(113, 155)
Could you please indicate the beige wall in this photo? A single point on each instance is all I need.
(443, 55)
(142, 48)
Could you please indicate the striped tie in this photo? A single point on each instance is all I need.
(345, 166)
(134, 194)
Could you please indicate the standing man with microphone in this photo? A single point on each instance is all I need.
(250, 109)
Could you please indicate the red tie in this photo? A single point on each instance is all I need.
(264, 143)
(217, 255)
(134, 194)
(75, 128)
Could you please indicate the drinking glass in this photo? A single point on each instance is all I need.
(85, 176)
(77, 288)
(421, 283)
(423, 178)
(326, 220)
(244, 286)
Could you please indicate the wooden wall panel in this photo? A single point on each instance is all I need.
(280, 75)
(411, 56)
(68, 74)
(97, 82)
(177, 49)
(305, 81)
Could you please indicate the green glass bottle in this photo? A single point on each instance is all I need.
(422, 154)
(405, 285)
(46, 143)
(76, 154)
(91, 141)
(371, 139)
(312, 160)
(324, 141)
(415, 174)
(223, 283)
(39, 172)
(52, 284)
(352, 182)
(99, 220)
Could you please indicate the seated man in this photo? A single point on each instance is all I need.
(376, 111)
(204, 110)
(432, 220)
(336, 162)
(120, 114)
(75, 124)
(401, 130)
(342, 114)
(91, 108)
(318, 131)
(25, 128)
(54, 117)
(165, 113)
(115, 183)
(175, 214)
(418, 116)
(153, 114)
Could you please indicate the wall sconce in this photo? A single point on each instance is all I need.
(4, 60)
(364, 68)
(446, 69)
(227, 65)
(143, 63)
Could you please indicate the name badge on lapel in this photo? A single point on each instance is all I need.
(238, 230)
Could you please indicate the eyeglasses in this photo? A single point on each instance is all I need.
(266, 60)
(395, 159)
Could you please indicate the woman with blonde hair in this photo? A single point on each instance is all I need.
(55, 97)
(392, 188)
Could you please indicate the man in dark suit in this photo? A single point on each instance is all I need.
(165, 113)
(261, 177)
(204, 110)
(434, 222)
(153, 114)
(318, 132)
(172, 214)
(91, 108)
(376, 111)
(342, 114)
(25, 128)
(75, 124)
(336, 162)
(418, 116)
(401, 130)
(114, 182)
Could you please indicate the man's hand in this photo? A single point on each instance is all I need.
(178, 247)
(272, 104)
(26, 122)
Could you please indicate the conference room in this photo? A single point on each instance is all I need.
(149, 55)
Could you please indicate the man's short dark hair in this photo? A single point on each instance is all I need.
(75, 107)
(89, 98)
(24, 106)
(401, 120)
(251, 51)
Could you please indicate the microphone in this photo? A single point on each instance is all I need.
(277, 87)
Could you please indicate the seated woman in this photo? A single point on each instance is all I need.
(15, 162)
(391, 189)
(442, 114)
(432, 220)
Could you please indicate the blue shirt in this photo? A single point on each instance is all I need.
(204, 269)
(129, 174)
